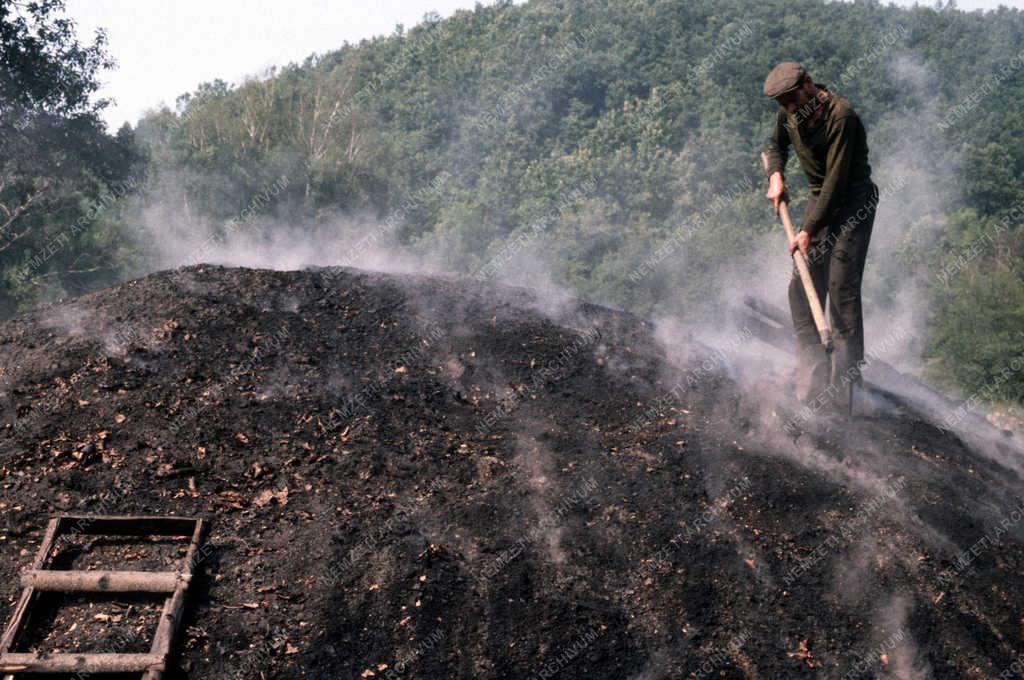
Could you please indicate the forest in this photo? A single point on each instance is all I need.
(608, 146)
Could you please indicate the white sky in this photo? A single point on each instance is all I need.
(165, 48)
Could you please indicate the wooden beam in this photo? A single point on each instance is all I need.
(174, 608)
(11, 633)
(38, 579)
(190, 561)
(80, 663)
(769, 311)
(102, 581)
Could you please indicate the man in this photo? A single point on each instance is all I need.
(831, 144)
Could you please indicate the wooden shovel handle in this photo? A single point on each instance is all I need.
(805, 273)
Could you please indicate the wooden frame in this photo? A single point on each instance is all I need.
(39, 579)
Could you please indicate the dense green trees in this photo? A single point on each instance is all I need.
(617, 142)
(60, 173)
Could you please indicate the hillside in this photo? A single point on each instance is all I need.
(611, 143)
(433, 478)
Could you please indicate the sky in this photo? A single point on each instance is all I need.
(165, 48)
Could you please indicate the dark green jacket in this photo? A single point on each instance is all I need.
(833, 153)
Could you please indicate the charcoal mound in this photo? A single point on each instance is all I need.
(427, 477)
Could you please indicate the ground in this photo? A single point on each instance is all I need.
(425, 477)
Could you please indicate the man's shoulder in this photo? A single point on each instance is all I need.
(841, 107)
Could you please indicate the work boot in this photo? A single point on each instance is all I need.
(845, 375)
(841, 403)
(860, 404)
(811, 374)
(833, 402)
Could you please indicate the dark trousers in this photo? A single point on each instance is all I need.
(836, 261)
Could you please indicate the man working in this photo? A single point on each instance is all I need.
(831, 143)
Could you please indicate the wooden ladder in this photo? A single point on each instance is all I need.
(39, 579)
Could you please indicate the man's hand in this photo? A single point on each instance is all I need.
(776, 190)
(802, 241)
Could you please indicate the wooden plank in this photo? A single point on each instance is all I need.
(174, 608)
(175, 605)
(169, 620)
(102, 581)
(38, 578)
(80, 663)
(193, 547)
(769, 311)
(127, 525)
(779, 338)
(165, 630)
(52, 527)
(11, 632)
(153, 673)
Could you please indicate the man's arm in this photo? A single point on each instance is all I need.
(837, 172)
(776, 156)
(778, 146)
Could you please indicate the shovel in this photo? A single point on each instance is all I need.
(805, 274)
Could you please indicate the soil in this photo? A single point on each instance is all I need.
(423, 477)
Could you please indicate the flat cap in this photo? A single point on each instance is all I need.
(785, 77)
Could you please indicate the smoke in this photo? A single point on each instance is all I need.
(535, 464)
(905, 659)
(910, 164)
(69, 320)
(915, 171)
(913, 167)
(266, 242)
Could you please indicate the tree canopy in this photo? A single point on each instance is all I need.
(57, 161)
